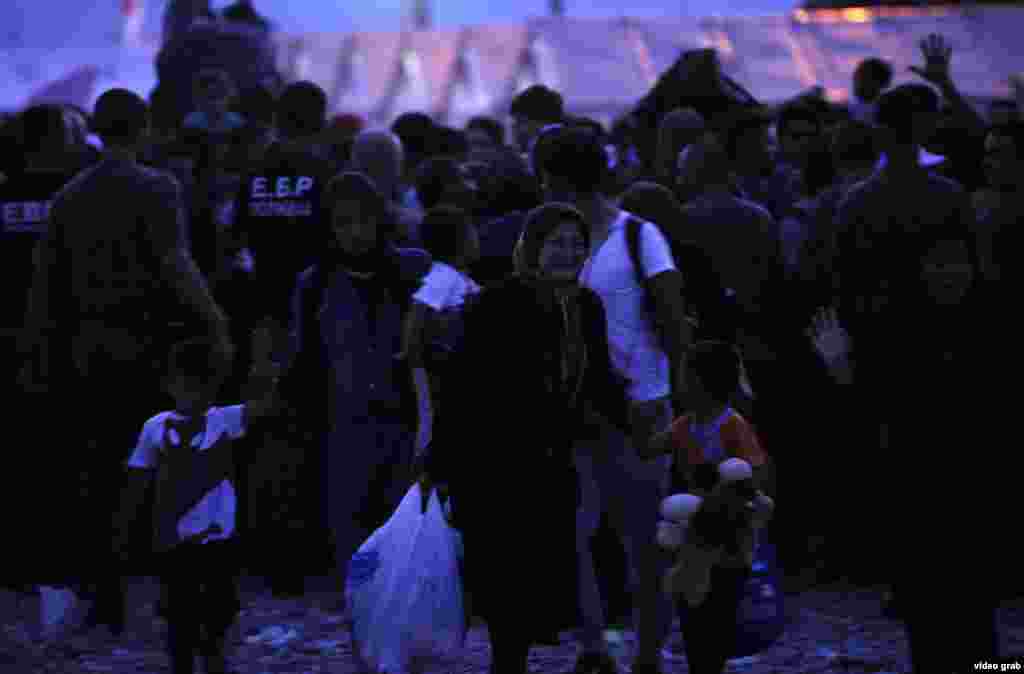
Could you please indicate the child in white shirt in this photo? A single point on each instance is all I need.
(188, 452)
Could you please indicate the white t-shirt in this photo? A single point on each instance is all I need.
(636, 352)
(219, 505)
(445, 287)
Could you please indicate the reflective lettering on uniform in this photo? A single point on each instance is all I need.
(281, 209)
(12, 214)
(303, 185)
(284, 187)
(25, 216)
(34, 211)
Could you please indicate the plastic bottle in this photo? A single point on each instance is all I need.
(619, 645)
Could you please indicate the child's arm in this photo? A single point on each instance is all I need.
(659, 444)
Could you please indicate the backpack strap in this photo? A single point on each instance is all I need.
(633, 226)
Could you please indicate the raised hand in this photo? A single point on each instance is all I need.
(938, 54)
(830, 339)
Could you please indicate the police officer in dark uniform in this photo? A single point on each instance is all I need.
(42, 168)
(277, 218)
(277, 213)
(25, 198)
(114, 253)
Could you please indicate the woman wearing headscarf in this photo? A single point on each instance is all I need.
(531, 381)
(350, 391)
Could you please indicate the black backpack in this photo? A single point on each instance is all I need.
(710, 306)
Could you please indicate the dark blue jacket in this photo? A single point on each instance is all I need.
(346, 332)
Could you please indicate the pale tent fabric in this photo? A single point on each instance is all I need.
(467, 95)
(350, 91)
(76, 88)
(133, 14)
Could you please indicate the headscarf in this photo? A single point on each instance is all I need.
(539, 224)
(358, 188)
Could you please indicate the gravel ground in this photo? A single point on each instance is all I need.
(833, 629)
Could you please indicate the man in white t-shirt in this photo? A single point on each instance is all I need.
(644, 348)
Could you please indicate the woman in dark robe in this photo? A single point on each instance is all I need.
(352, 396)
(949, 490)
(532, 378)
(951, 435)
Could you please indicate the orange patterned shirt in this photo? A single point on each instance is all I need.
(729, 436)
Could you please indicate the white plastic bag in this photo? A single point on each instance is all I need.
(60, 610)
(405, 592)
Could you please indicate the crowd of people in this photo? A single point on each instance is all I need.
(555, 330)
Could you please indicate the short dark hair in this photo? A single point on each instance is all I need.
(540, 104)
(416, 131)
(444, 232)
(42, 127)
(588, 123)
(257, 104)
(717, 365)
(302, 110)
(654, 203)
(575, 157)
(193, 359)
(121, 117)
(510, 186)
(359, 188)
(210, 77)
(856, 142)
(898, 108)
(450, 142)
(738, 124)
(164, 109)
(490, 126)
(243, 12)
(878, 70)
(434, 177)
(798, 111)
